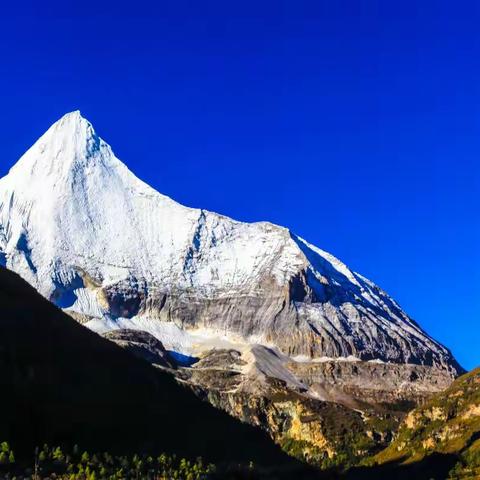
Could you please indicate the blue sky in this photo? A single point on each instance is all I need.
(356, 124)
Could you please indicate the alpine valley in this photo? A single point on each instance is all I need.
(250, 316)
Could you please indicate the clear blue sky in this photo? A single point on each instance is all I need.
(356, 124)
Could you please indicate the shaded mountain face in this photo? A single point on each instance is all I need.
(114, 253)
(63, 384)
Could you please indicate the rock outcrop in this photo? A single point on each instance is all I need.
(328, 413)
(142, 345)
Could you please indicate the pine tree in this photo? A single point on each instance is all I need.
(57, 454)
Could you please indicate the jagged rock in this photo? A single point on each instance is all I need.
(355, 383)
(143, 345)
(321, 432)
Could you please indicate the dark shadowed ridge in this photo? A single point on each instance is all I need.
(63, 384)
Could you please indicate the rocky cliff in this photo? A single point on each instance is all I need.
(331, 414)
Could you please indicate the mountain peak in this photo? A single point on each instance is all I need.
(72, 130)
(74, 114)
(72, 126)
(73, 120)
(70, 141)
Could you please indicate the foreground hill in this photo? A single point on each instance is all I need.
(442, 438)
(63, 384)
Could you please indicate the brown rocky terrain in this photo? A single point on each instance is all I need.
(329, 413)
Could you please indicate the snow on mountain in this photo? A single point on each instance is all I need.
(112, 251)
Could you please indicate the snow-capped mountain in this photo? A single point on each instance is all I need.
(115, 253)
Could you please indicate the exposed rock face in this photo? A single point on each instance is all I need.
(333, 413)
(328, 413)
(143, 345)
(319, 431)
(370, 382)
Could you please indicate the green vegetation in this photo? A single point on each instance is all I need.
(444, 432)
(58, 463)
(53, 462)
(447, 424)
(7, 456)
(347, 454)
(350, 437)
(468, 464)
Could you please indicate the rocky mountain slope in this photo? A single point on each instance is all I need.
(354, 414)
(444, 433)
(63, 384)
